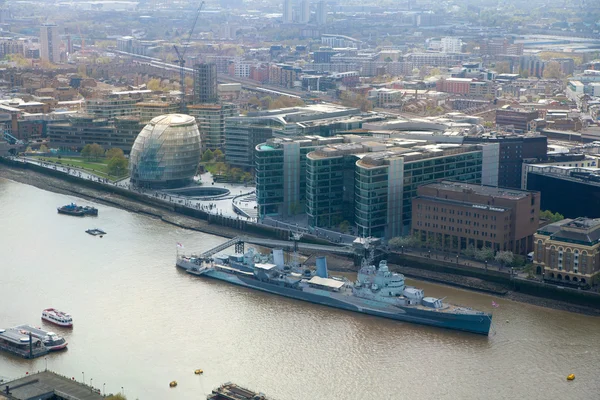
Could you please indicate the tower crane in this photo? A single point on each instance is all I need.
(181, 59)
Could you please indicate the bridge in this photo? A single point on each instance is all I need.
(283, 244)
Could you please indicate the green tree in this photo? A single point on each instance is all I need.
(505, 257)
(502, 67)
(117, 165)
(117, 396)
(43, 149)
(344, 226)
(86, 152)
(114, 152)
(207, 156)
(388, 59)
(218, 155)
(398, 242)
(550, 216)
(96, 151)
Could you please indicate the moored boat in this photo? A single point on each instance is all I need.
(71, 209)
(23, 345)
(377, 291)
(51, 340)
(57, 317)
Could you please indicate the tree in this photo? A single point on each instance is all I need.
(96, 151)
(114, 152)
(117, 396)
(488, 124)
(550, 216)
(484, 254)
(388, 59)
(350, 99)
(398, 242)
(43, 149)
(552, 70)
(218, 155)
(505, 257)
(344, 226)
(207, 156)
(117, 165)
(502, 67)
(86, 152)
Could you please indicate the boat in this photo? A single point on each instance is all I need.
(95, 232)
(57, 317)
(23, 345)
(78, 211)
(71, 209)
(88, 210)
(377, 291)
(51, 340)
(230, 390)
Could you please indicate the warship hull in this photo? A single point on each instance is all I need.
(473, 323)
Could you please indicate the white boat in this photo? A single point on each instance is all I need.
(57, 317)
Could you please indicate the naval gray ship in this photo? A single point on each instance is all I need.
(377, 290)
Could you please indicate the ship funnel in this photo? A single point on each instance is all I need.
(322, 267)
(278, 257)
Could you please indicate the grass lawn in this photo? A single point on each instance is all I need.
(99, 167)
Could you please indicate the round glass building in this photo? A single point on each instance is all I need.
(166, 152)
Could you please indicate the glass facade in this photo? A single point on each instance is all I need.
(166, 153)
(376, 192)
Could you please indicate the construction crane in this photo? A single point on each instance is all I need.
(181, 59)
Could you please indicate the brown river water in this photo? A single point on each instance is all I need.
(141, 323)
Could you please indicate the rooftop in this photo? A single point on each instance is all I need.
(511, 194)
(46, 384)
(581, 230)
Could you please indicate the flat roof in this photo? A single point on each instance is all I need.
(479, 189)
(332, 283)
(44, 383)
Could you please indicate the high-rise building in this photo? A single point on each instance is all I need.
(205, 83)
(321, 12)
(211, 121)
(287, 12)
(304, 16)
(451, 44)
(372, 184)
(50, 43)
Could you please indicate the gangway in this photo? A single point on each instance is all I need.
(10, 138)
(283, 244)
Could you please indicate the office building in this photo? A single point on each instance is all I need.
(513, 149)
(451, 44)
(570, 191)
(288, 16)
(79, 130)
(321, 12)
(567, 252)
(211, 121)
(517, 120)
(243, 134)
(166, 153)
(455, 215)
(50, 43)
(148, 110)
(280, 173)
(205, 83)
(304, 15)
(373, 182)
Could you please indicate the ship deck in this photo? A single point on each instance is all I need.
(38, 332)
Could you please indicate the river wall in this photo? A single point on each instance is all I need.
(526, 286)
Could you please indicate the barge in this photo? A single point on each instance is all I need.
(20, 344)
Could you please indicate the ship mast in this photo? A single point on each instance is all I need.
(296, 236)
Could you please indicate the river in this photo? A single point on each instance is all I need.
(141, 323)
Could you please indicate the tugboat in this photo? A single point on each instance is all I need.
(87, 210)
(56, 317)
(51, 340)
(71, 209)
